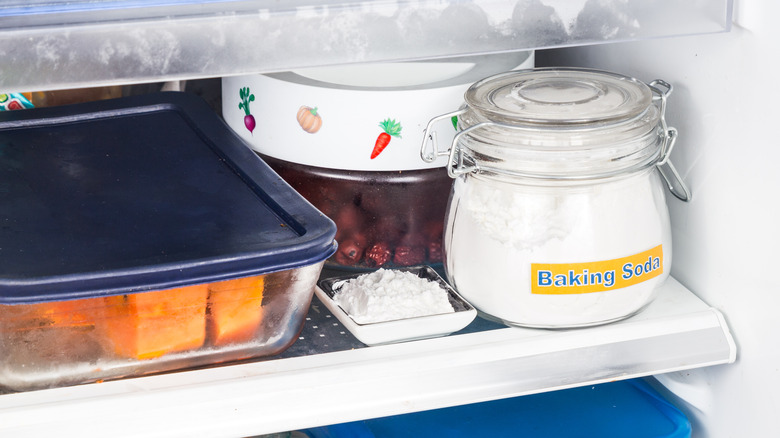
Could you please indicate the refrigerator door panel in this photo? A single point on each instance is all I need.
(725, 108)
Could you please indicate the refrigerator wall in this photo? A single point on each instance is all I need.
(723, 97)
(725, 107)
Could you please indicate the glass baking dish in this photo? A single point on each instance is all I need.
(140, 236)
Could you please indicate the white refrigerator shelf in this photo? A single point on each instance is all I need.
(54, 44)
(349, 381)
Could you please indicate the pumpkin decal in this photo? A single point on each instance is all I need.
(309, 119)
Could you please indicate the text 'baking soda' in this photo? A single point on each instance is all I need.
(581, 278)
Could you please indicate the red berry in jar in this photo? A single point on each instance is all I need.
(413, 239)
(387, 229)
(349, 218)
(350, 251)
(409, 255)
(434, 252)
(434, 230)
(378, 254)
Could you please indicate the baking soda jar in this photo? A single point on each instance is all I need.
(557, 215)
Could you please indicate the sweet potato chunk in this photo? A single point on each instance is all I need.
(151, 324)
(235, 309)
(74, 313)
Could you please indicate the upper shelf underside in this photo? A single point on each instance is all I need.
(54, 44)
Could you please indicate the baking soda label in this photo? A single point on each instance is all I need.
(598, 276)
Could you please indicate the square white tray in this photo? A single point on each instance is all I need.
(400, 330)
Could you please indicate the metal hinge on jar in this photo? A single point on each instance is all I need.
(456, 163)
(665, 167)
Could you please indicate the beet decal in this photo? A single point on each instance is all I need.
(246, 97)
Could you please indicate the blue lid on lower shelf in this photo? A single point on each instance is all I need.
(630, 408)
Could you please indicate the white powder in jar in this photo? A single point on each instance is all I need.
(496, 230)
(386, 295)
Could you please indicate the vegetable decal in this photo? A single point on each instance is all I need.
(390, 129)
(246, 97)
(14, 101)
(309, 120)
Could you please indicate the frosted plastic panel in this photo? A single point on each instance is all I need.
(61, 44)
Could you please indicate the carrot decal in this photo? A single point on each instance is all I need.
(390, 129)
(246, 97)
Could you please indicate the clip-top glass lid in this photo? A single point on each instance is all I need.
(559, 97)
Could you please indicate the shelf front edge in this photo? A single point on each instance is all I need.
(677, 332)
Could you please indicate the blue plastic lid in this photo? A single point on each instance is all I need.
(21, 13)
(138, 194)
(32, 7)
(611, 410)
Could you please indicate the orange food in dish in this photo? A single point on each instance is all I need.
(146, 325)
(235, 309)
(75, 313)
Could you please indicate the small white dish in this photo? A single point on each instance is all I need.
(400, 330)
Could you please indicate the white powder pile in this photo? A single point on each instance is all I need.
(386, 295)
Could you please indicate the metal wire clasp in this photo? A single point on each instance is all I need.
(673, 180)
(456, 163)
(429, 136)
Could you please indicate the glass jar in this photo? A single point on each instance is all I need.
(380, 220)
(557, 215)
(355, 160)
